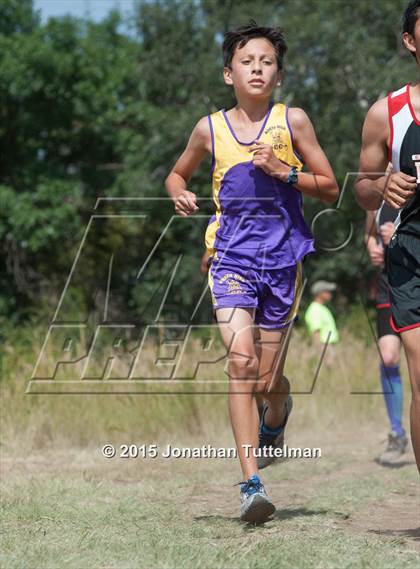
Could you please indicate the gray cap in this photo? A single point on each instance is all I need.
(321, 286)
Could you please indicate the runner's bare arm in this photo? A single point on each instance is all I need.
(370, 227)
(319, 182)
(376, 183)
(371, 180)
(374, 249)
(176, 182)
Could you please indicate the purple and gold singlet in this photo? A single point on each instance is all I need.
(258, 221)
(258, 235)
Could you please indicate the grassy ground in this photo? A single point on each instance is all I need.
(77, 509)
(45, 421)
(65, 505)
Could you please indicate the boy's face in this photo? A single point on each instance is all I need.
(412, 43)
(253, 70)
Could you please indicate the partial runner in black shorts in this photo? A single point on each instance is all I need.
(391, 133)
(403, 268)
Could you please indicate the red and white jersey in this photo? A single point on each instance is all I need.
(404, 152)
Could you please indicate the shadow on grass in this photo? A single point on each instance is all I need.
(396, 465)
(290, 513)
(413, 534)
(281, 514)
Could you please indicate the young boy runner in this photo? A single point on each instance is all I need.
(391, 133)
(257, 238)
(379, 228)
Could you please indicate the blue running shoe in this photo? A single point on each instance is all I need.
(271, 439)
(256, 507)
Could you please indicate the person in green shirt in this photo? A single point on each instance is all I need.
(319, 318)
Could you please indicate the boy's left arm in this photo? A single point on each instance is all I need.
(320, 181)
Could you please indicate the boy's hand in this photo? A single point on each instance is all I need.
(185, 203)
(398, 189)
(387, 230)
(376, 254)
(264, 158)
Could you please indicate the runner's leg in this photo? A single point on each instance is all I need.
(411, 342)
(274, 387)
(389, 347)
(237, 331)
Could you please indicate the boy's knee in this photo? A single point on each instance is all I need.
(391, 359)
(243, 367)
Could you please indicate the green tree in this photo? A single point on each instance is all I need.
(88, 110)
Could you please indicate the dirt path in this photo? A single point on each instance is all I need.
(344, 502)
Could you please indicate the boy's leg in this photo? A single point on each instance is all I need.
(275, 389)
(237, 330)
(272, 385)
(281, 290)
(389, 347)
(411, 342)
(403, 268)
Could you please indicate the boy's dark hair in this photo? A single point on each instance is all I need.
(411, 15)
(242, 35)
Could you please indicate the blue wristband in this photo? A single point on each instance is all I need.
(292, 178)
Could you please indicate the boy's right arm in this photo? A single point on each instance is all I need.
(375, 251)
(375, 182)
(183, 170)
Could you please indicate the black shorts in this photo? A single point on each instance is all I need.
(403, 269)
(383, 321)
(383, 308)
